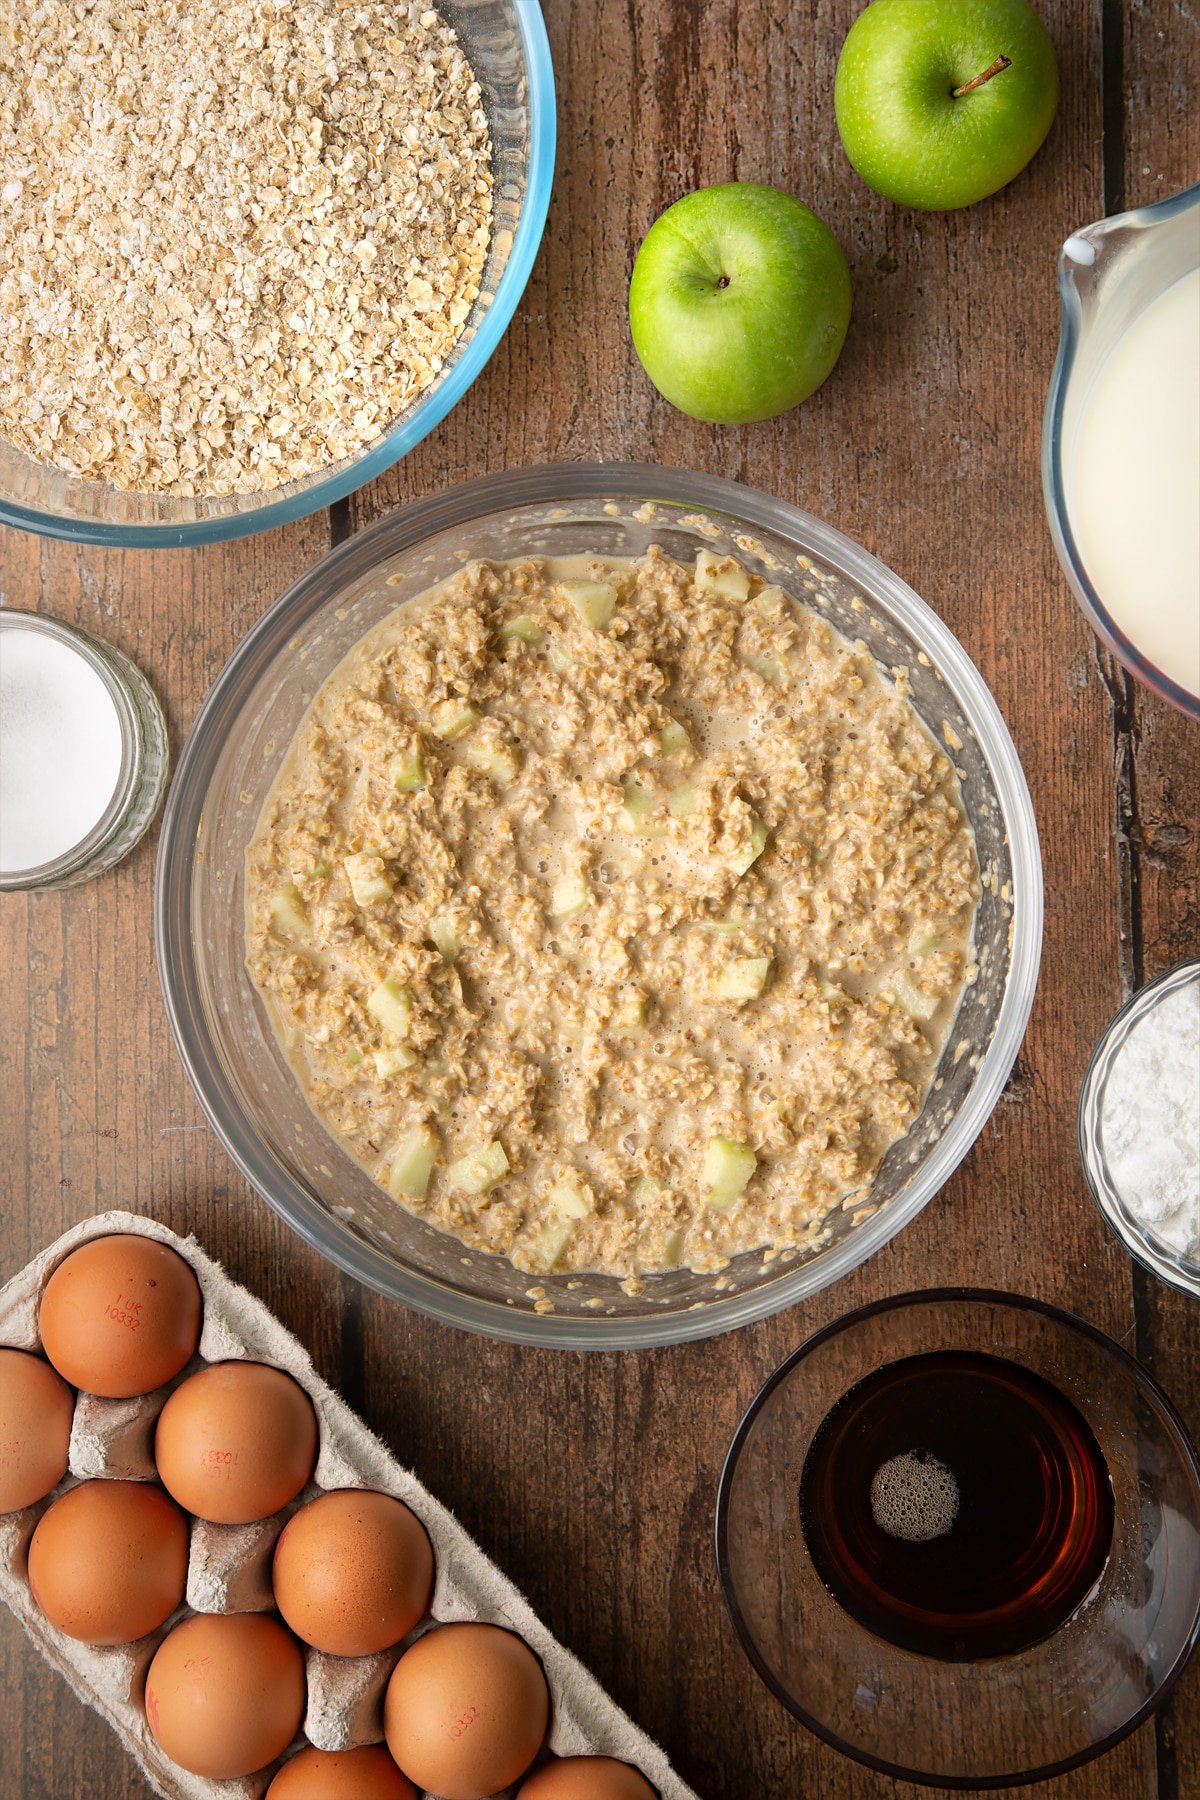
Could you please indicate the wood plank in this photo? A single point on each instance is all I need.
(1160, 749)
(97, 1111)
(932, 418)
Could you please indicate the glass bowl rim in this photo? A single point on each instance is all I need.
(935, 1297)
(1133, 1238)
(440, 397)
(1053, 481)
(402, 528)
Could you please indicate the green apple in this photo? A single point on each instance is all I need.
(941, 102)
(739, 303)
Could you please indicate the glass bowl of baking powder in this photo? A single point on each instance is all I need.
(1139, 1126)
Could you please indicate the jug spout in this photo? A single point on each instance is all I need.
(1121, 428)
(1079, 251)
(1124, 261)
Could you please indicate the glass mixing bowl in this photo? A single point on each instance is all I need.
(231, 758)
(999, 1721)
(509, 51)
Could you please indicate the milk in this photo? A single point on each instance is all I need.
(1133, 482)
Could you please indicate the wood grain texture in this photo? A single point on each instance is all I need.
(592, 1479)
(1157, 746)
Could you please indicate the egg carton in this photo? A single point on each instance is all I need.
(229, 1566)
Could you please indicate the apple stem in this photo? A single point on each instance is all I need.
(968, 87)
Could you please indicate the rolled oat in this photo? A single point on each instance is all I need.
(236, 240)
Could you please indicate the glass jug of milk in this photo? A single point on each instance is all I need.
(1121, 444)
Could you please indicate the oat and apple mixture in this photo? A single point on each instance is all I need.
(613, 914)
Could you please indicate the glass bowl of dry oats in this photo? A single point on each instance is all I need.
(264, 260)
(681, 1277)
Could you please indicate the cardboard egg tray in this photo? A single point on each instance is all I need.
(229, 1567)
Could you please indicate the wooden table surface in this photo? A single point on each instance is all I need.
(592, 1479)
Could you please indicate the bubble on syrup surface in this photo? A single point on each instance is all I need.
(914, 1497)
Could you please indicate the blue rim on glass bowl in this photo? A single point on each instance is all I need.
(507, 44)
(1169, 1265)
(1095, 271)
(237, 1068)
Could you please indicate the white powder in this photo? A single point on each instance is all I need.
(1150, 1121)
(60, 747)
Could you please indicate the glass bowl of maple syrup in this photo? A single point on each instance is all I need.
(958, 1534)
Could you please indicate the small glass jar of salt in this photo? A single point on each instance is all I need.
(83, 753)
(1139, 1125)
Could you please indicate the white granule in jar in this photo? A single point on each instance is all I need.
(1150, 1121)
(60, 748)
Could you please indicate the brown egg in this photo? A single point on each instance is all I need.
(236, 1441)
(120, 1316)
(366, 1774)
(108, 1561)
(353, 1572)
(587, 1778)
(36, 1409)
(466, 1710)
(225, 1693)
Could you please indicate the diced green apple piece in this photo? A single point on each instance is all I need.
(744, 978)
(353, 1057)
(672, 1249)
(548, 1246)
(391, 1004)
(910, 999)
(445, 937)
(408, 772)
(569, 896)
(926, 943)
(393, 1061)
(724, 927)
(629, 1020)
(757, 843)
(569, 1200)
(479, 1169)
(721, 575)
(453, 719)
(673, 739)
(287, 912)
(558, 659)
(594, 601)
(682, 801)
(639, 807)
(771, 669)
(524, 630)
(645, 1189)
(769, 601)
(412, 1162)
(497, 761)
(728, 1167)
(368, 878)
